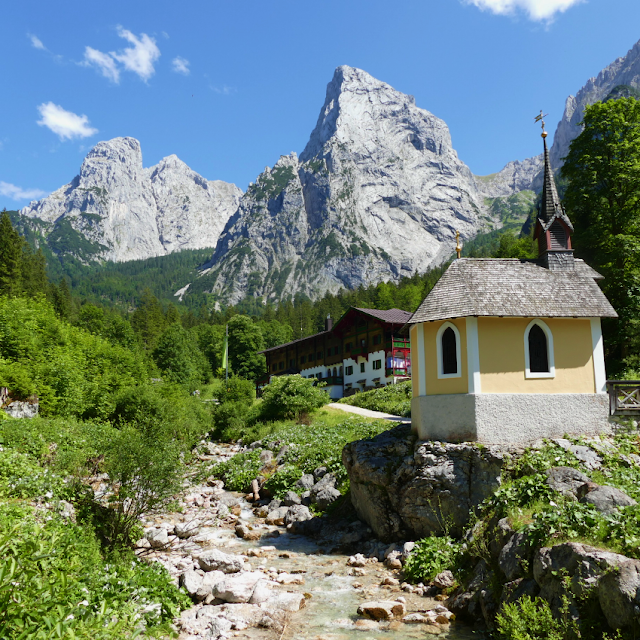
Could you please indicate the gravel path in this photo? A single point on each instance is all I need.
(367, 413)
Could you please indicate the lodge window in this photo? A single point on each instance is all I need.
(538, 350)
(348, 370)
(448, 351)
(274, 367)
(377, 364)
(362, 367)
(292, 363)
(281, 365)
(319, 355)
(302, 359)
(377, 339)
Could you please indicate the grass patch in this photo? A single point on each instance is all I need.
(394, 399)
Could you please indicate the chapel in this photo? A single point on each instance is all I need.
(509, 350)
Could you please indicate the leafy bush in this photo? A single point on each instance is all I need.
(178, 356)
(291, 397)
(529, 619)
(430, 557)
(73, 372)
(67, 590)
(145, 473)
(237, 389)
(230, 420)
(238, 472)
(283, 480)
(394, 399)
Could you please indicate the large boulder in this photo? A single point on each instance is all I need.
(216, 560)
(382, 610)
(614, 578)
(406, 489)
(566, 481)
(237, 588)
(297, 513)
(324, 492)
(607, 499)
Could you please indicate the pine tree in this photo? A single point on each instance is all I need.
(11, 245)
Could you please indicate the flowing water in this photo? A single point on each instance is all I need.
(333, 593)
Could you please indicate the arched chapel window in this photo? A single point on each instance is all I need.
(538, 346)
(538, 352)
(449, 352)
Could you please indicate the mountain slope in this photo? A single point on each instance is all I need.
(623, 71)
(377, 193)
(118, 210)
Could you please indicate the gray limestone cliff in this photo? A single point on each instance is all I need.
(117, 210)
(624, 71)
(378, 193)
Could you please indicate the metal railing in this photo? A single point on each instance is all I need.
(624, 397)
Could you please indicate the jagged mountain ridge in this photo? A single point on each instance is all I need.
(377, 193)
(121, 211)
(622, 71)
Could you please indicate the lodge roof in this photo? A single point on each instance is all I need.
(392, 316)
(288, 344)
(514, 288)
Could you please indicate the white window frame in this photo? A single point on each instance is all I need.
(527, 368)
(441, 330)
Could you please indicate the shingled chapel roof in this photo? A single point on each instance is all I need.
(514, 288)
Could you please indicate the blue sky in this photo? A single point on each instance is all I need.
(230, 86)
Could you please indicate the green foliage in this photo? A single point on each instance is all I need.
(230, 420)
(430, 557)
(146, 471)
(245, 340)
(73, 372)
(317, 444)
(529, 619)
(394, 399)
(178, 356)
(238, 472)
(291, 397)
(602, 197)
(237, 389)
(283, 480)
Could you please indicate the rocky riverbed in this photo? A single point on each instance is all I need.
(252, 574)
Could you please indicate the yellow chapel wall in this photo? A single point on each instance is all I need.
(415, 360)
(502, 359)
(436, 386)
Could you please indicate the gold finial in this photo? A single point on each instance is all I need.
(458, 245)
(539, 118)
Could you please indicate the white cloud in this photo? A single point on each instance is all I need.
(539, 10)
(103, 62)
(17, 193)
(65, 124)
(141, 57)
(224, 90)
(181, 65)
(36, 42)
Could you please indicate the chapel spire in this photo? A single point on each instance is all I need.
(553, 227)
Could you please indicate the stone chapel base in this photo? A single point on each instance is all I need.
(508, 418)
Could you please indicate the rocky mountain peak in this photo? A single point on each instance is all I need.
(117, 210)
(622, 71)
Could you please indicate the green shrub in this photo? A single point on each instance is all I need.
(145, 473)
(17, 378)
(394, 399)
(430, 557)
(67, 590)
(283, 480)
(529, 619)
(230, 420)
(237, 389)
(291, 397)
(238, 472)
